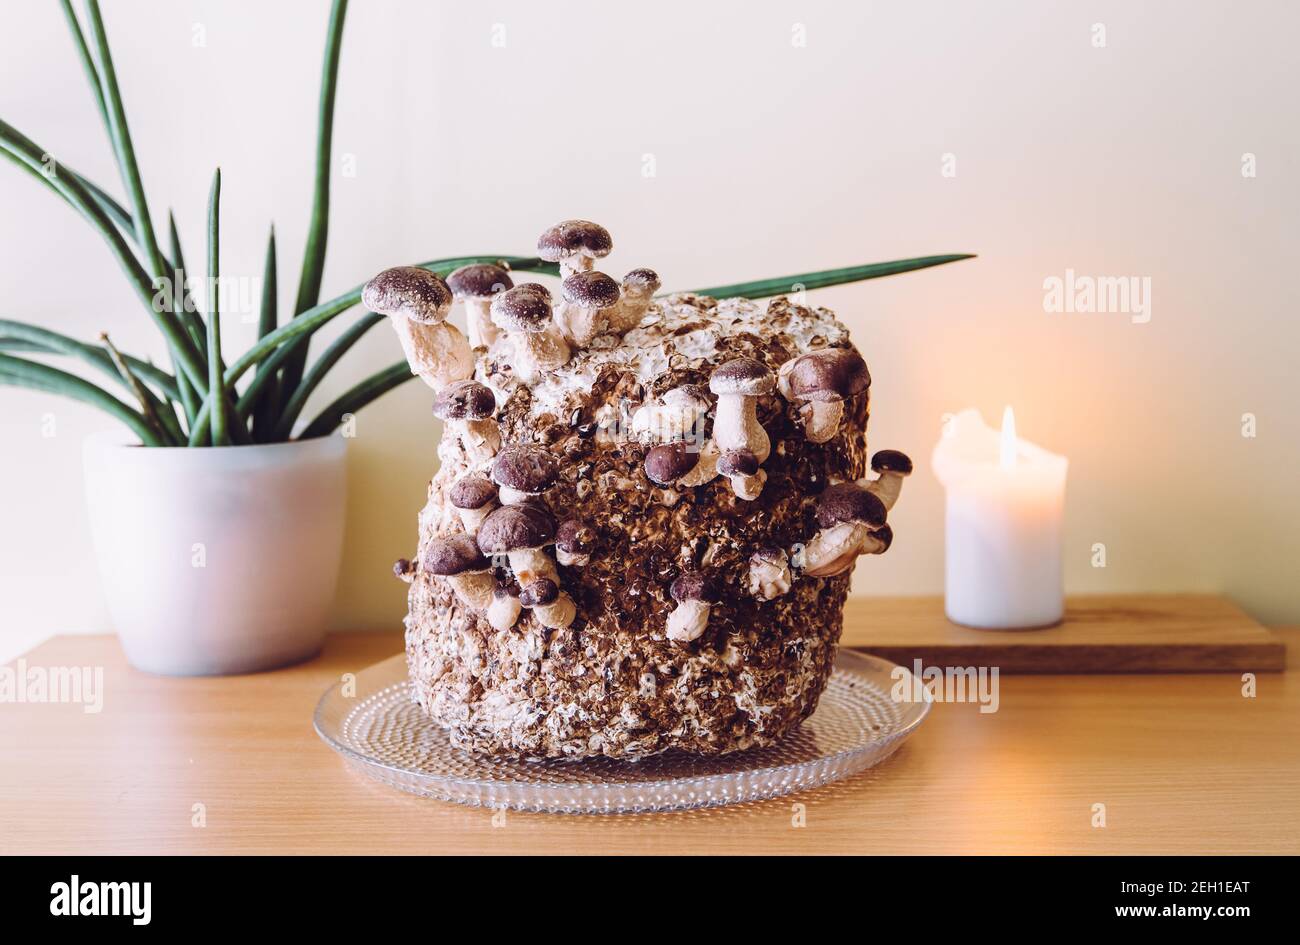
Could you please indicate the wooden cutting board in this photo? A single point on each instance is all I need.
(1112, 633)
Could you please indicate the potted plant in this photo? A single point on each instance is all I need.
(219, 541)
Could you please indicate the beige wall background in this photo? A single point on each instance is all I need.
(783, 137)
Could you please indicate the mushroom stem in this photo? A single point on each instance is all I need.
(823, 419)
(748, 488)
(630, 310)
(438, 353)
(558, 614)
(503, 613)
(575, 264)
(736, 426)
(886, 487)
(510, 496)
(706, 470)
(769, 574)
(471, 519)
(529, 564)
(833, 550)
(578, 323)
(572, 559)
(480, 439)
(474, 589)
(478, 321)
(688, 620)
(538, 352)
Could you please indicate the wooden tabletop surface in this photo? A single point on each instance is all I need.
(1182, 763)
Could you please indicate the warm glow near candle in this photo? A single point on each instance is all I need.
(1008, 446)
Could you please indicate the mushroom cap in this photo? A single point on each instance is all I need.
(591, 290)
(510, 589)
(409, 291)
(738, 463)
(401, 567)
(524, 308)
(574, 238)
(686, 395)
(892, 461)
(695, 585)
(539, 592)
(772, 554)
(514, 527)
(465, 400)
(472, 492)
(885, 535)
(575, 537)
(668, 462)
(479, 281)
(742, 376)
(525, 468)
(830, 374)
(645, 281)
(849, 502)
(452, 555)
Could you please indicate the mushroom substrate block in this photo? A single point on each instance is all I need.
(693, 624)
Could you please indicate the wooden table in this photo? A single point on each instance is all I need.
(1182, 763)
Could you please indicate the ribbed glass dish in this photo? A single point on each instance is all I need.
(382, 732)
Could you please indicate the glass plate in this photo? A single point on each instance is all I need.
(383, 732)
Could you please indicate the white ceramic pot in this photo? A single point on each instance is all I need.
(217, 560)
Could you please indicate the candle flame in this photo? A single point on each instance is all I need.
(1010, 445)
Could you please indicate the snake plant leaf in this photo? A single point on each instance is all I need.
(123, 147)
(322, 366)
(71, 189)
(216, 387)
(313, 261)
(19, 372)
(87, 62)
(155, 413)
(764, 288)
(353, 399)
(51, 342)
(266, 406)
(189, 317)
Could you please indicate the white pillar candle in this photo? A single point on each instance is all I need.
(1006, 501)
